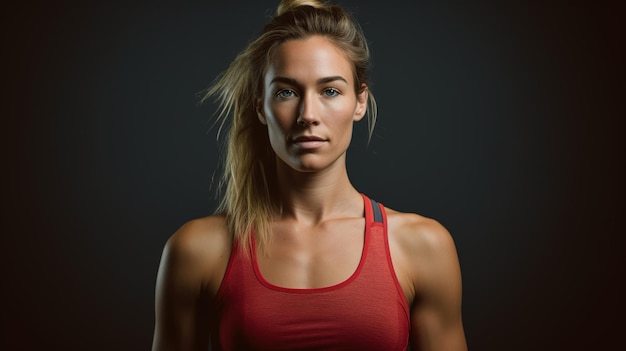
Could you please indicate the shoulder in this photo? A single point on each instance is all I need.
(200, 249)
(191, 269)
(419, 234)
(427, 268)
(199, 236)
(423, 252)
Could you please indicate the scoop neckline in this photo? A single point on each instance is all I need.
(259, 275)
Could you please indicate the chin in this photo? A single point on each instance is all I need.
(307, 167)
(310, 163)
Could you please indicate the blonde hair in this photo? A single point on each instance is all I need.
(248, 184)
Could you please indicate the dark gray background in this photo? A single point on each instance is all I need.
(504, 120)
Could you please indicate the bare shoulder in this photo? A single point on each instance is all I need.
(200, 249)
(200, 236)
(421, 235)
(427, 267)
(192, 266)
(423, 254)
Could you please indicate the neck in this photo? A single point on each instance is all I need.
(313, 197)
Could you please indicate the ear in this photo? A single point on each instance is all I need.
(259, 111)
(361, 103)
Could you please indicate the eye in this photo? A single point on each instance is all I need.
(331, 92)
(285, 93)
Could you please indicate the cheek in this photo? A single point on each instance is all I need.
(279, 122)
(341, 115)
(279, 116)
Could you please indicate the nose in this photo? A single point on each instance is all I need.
(309, 113)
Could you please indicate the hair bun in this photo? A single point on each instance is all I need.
(286, 5)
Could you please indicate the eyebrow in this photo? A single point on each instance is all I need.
(319, 81)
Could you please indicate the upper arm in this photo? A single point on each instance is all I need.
(186, 282)
(436, 323)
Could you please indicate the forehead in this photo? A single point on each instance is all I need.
(309, 59)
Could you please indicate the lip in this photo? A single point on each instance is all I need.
(309, 141)
(304, 138)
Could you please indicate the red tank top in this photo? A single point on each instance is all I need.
(367, 311)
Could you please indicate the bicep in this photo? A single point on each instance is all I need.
(436, 312)
(433, 331)
(180, 308)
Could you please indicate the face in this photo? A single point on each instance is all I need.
(309, 103)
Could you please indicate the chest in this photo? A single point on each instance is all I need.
(361, 309)
(320, 320)
(321, 256)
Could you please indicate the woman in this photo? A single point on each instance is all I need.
(297, 258)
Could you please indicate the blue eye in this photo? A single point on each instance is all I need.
(331, 92)
(285, 93)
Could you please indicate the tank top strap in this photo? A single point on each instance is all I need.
(374, 211)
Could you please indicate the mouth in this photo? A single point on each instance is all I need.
(305, 138)
(309, 141)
